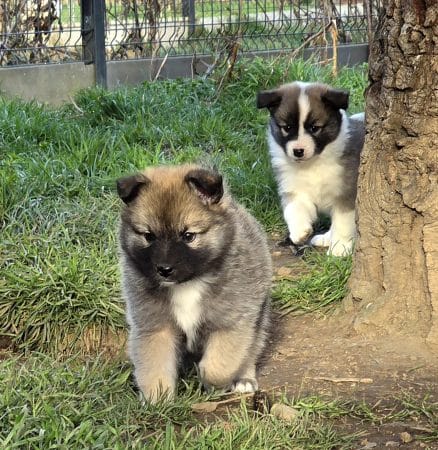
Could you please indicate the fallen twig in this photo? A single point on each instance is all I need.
(310, 39)
(236, 395)
(410, 426)
(75, 105)
(212, 405)
(161, 67)
(344, 380)
(193, 65)
(231, 60)
(334, 32)
(212, 67)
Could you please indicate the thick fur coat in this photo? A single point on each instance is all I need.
(315, 151)
(196, 276)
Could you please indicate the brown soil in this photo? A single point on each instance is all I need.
(315, 355)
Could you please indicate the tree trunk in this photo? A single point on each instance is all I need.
(394, 284)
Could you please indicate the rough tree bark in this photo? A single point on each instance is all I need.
(394, 284)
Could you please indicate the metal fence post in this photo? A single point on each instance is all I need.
(87, 31)
(93, 37)
(188, 10)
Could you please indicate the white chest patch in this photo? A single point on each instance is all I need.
(186, 305)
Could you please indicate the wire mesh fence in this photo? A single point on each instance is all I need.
(39, 31)
(53, 31)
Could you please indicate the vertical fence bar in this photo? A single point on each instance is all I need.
(99, 42)
(87, 31)
(188, 10)
(192, 17)
(93, 38)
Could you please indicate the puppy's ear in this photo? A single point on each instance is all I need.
(207, 184)
(128, 187)
(336, 98)
(269, 99)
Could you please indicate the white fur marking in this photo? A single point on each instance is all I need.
(304, 140)
(299, 216)
(359, 116)
(322, 240)
(245, 386)
(186, 302)
(343, 232)
(304, 109)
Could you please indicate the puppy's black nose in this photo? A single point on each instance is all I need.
(299, 152)
(164, 271)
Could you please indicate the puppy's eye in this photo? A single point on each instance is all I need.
(286, 128)
(149, 236)
(187, 236)
(314, 129)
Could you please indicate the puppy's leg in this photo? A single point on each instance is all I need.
(155, 360)
(299, 215)
(225, 354)
(343, 232)
(322, 240)
(247, 378)
(247, 381)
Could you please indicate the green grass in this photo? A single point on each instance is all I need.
(80, 402)
(58, 209)
(47, 403)
(58, 257)
(322, 282)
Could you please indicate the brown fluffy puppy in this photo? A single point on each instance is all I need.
(196, 276)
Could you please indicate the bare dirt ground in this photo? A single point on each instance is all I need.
(315, 355)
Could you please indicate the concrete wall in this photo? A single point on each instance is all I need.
(53, 84)
(57, 83)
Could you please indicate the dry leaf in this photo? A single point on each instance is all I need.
(284, 272)
(406, 437)
(284, 412)
(205, 407)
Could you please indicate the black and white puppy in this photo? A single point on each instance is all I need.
(315, 149)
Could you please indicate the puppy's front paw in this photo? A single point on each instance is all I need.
(321, 240)
(155, 392)
(245, 385)
(341, 248)
(299, 235)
